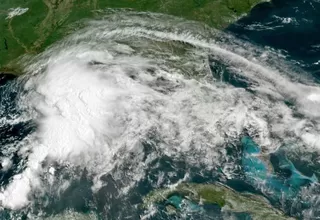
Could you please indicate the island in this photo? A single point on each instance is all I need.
(195, 195)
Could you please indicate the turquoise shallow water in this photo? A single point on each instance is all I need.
(287, 178)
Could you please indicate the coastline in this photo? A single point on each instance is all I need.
(49, 21)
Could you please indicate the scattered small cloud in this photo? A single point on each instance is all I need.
(13, 12)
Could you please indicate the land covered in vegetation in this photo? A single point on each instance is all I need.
(29, 26)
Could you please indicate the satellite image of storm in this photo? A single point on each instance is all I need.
(159, 109)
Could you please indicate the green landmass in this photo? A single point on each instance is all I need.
(42, 24)
(228, 199)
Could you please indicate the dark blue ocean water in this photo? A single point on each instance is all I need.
(289, 25)
(292, 26)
